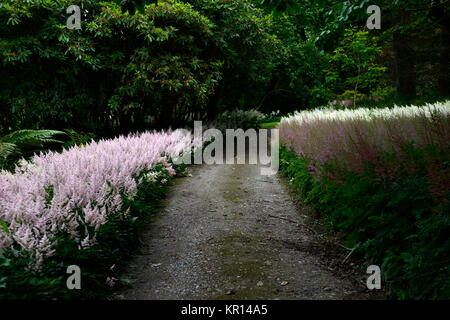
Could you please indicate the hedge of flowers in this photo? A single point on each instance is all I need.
(68, 199)
(381, 177)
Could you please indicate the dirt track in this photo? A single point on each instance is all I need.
(228, 232)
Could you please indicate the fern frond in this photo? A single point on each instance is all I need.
(6, 149)
(31, 136)
(24, 143)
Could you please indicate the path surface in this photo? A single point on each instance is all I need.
(230, 233)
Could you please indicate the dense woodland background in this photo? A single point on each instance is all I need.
(133, 67)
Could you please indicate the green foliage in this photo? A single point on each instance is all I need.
(414, 36)
(279, 6)
(239, 119)
(115, 72)
(397, 225)
(323, 21)
(383, 93)
(246, 52)
(355, 61)
(128, 69)
(273, 116)
(141, 63)
(78, 138)
(298, 78)
(134, 5)
(24, 143)
(269, 125)
(351, 95)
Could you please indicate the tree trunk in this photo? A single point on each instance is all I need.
(438, 14)
(404, 61)
(444, 66)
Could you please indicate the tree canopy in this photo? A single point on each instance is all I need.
(137, 64)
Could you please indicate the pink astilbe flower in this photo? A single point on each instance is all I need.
(47, 195)
(171, 170)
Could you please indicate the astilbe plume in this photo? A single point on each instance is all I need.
(44, 197)
(351, 139)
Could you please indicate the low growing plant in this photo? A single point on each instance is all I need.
(398, 221)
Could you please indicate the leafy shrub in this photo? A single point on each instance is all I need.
(111, 74)
(350, 95)
(355, 61)
(397, 225)
(298, 75)
(165, 62)
(246, 50)
(239, 119)
(273, 116)
(381, 93)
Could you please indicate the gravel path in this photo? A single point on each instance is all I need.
(229, 233)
